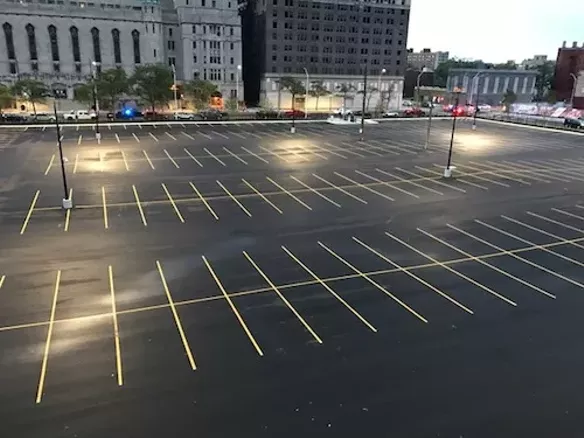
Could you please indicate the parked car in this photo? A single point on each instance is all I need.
(359, 113)
(574, 123)
(211, 114)
(13, 118)
(42, 117)
(390, 114)
(267, 114)
(125, 114)
(183, 115)
(79, 115)
(297, 114)
(155, 115)
(414, 112)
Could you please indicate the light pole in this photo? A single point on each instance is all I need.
(93, 68)
(362, 129)
(573, 89)
(448, 170)
(237, 87)
(67, 201)
(174, 89)
(429, 125)
(474, 118)
(383, 71)
(424, 70)
(306, 93)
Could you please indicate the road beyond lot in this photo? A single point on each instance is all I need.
(234, 279)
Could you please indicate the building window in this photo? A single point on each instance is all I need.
(170, 32)
(231, 31)
(32, 48)
(117, 50)
(231, 61)
(170, 45)
(171, 61)
(96, 44)
(136, 44)
(54, 43)
(9, 40)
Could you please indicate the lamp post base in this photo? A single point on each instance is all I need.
(67, 204)
(474, 127)
(448, 172)
(98, 135)
(293, 130)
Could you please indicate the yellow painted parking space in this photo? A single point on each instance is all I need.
(139, 205)
(68, 213)
(52, 159)
(204, 201)
(176, 210)
(117, 346)
(104, 205)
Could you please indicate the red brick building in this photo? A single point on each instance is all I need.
(570, 62)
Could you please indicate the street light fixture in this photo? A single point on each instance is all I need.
(174, 88)
(237, 87)
(424, 70)
(306, 93)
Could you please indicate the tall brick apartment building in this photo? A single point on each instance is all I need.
(570, 62)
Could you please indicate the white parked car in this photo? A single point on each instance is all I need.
(79, 115)
(181, 115)
(485, 108)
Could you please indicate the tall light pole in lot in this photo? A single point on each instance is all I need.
(424, 70)
(448, 170)
(237, 87)
(67, 201)
(174, 89)
(93, 67)
(474, 118)
(306, 93)
(380, 105)
(573, 89)
(362, 129)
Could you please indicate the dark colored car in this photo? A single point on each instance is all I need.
(153, 115)
(126, 114)
(211, 114)
(574, 123)
(297, 114)
(267, 114)
(13, 118)
(414, 112)
(359, 113)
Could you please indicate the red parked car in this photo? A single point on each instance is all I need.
(414, 112)
(298, 114)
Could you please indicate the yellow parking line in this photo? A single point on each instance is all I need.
(281, 157)
(125, 161)
(454, 271)
(283, 298)
(187, 135)
(216, 159)
(493, 267)
(235, 156)
(373, 282)
(462, 174)
(369, 189)
(181, 332)
(363, 201)
(275, 207)
(528, 242)
(142, 215)
(561, 224)
(136, 137)
(255, 155)
(117, 138)
(171, 159)
(30, 210)
(152, 135)
(116, 328)
(329, 289)
(48, 341)
(50, 164)
(68, 214)
(510, 253)
(233, 198)
(76, 161)
(415, 277)
(204, 201)
(2, 280)
(289, 194)
(148, 159)
(326, 198)
(104, 206)
(191, 155)
(170, 135)
(403, 180)
(547, 233)
(385, 183)
(233, 308)
(80, 139)
(173, 203)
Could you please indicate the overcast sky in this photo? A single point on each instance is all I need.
(496, 30)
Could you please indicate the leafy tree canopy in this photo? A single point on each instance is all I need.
(201, 91)
(32, 90)
(292, 85)
(152, 84)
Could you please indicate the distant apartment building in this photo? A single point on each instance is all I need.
(329, 41)
(533, 63)
(491, 85)
(569, 70)
(426, 58)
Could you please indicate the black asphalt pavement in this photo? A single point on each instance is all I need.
(235, 279)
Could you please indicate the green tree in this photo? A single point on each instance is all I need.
(345, 91)
(6, 97)
(293, 86)
(152, 84)
(111, 85)
(371, 90)
(544, 80)
(318, 90)
(201, 91)
(231, 105)
(31, 90)
(84, 93)
(509, 98)
(384, 99)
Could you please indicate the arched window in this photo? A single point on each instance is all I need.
(32, 48)
(9, 40)
(54, 43)
(75, 43)
(96, 45)
(117, 50)
(136, 44)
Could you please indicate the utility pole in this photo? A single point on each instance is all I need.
(306, 93)
(448, 170)
(93, 68)
(174, 89)
(362, 129)
(67, 201)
